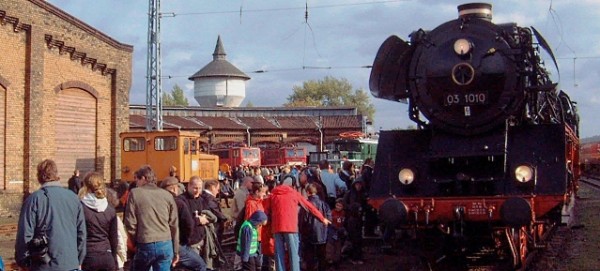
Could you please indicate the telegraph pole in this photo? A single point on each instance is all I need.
(154, 118)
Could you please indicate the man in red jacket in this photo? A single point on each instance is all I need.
(282, 206)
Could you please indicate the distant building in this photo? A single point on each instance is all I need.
(312, 127)
(219, 83)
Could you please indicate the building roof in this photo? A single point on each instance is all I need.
(137, 122)
(219, 67)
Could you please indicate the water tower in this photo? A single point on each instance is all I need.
(219, 83)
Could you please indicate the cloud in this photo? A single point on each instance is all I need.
(343, 34)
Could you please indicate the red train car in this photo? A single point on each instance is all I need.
(284, 156)
(235, 156)
(589, 156)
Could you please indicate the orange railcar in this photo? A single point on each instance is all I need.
(163, 150)
(590, 157)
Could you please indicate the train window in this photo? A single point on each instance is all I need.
(194, 146)
(186, 146)
(222, 154)
(250, 153)
(165, 143)
(134, 144)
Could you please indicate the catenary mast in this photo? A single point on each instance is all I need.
(154, 119)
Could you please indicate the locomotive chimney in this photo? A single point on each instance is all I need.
(475, 11)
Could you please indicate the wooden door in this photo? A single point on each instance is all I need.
(75, 136)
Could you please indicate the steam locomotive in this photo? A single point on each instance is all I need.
(494, 159)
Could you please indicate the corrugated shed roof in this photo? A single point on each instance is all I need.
(184, 123)
(220, 123)
(258, 123)
(254, 123)
(137, 122)
(342, 121)
(298, 122)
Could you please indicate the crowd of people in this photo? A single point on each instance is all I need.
(288, 218)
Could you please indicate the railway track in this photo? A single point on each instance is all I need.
(592, 181)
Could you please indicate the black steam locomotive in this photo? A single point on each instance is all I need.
(495, 154)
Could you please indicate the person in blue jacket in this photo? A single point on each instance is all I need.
(248, 247)
(60, 212)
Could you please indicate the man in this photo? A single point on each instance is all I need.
(211, 189)
(371, 219)
(193, 199)
(74, 182)
(151, 220)
(332, 183)
(60, 214)
(188, 257)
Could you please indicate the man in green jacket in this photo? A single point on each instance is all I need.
(151, 221)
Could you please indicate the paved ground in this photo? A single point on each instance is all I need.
(578, 247)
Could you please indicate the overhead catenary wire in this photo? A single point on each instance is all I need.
(287, 8)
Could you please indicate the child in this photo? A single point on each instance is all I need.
(247, 244)
(313, 232)
(336, 234)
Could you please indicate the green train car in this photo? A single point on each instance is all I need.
(355, 150)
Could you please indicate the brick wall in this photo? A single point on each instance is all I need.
(43, 49)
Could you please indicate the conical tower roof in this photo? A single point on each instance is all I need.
(219, 67)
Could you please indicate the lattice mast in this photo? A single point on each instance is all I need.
(154, 119)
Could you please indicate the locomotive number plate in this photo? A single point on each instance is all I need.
(473, 98)
(477, 208)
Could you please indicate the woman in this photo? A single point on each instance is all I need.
(101, 224)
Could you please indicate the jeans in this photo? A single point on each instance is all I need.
(289, 240)
(190, 259)
(157, 255)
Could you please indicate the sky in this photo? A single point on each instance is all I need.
(292, 44)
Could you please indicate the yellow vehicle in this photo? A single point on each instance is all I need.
(165, 151)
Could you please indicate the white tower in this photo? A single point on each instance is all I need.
(219, 83)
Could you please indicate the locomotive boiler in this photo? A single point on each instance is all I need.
(494, 158)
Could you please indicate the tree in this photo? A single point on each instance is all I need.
(331, 92)
(175, 97)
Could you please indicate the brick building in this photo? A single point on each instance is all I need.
(64, 92)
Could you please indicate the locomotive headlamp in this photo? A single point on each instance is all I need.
(462, 47)
(524, 173)
(406, 176)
